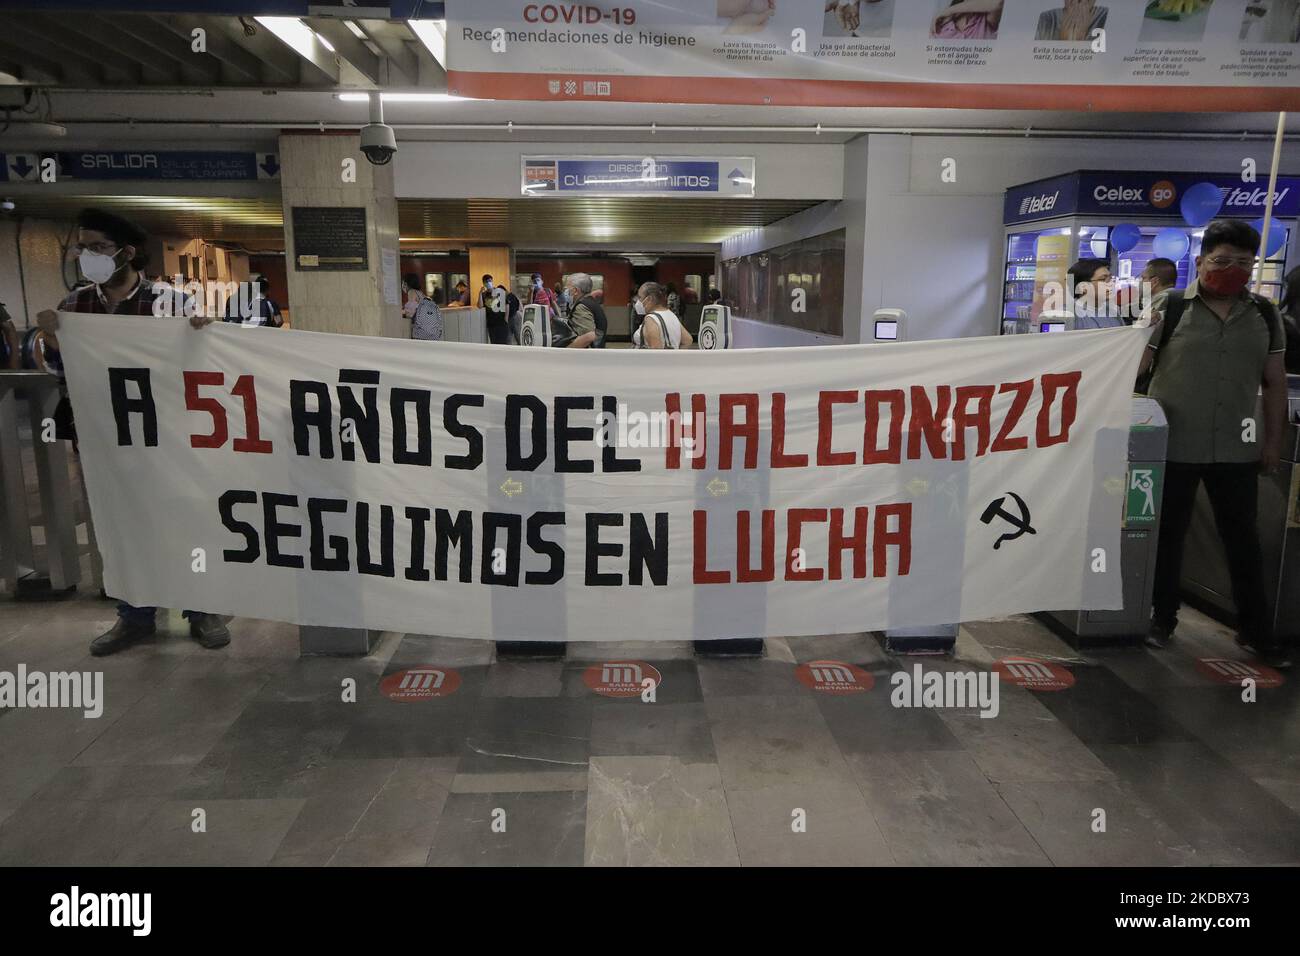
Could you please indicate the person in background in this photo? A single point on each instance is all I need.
(514, 318)
(262, 310)
(1072, 23)
(111, 253)
(674, 300)
(425, 316)
(1160, 275)
(1091, 283)
(13, 341)
(713, 297)
(462, 294)
(1222, 347)
(539, 294)
(587, 315)
(1291, 320)
(563, 301)
(660, 328)
(492, 300)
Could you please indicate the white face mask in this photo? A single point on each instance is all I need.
(96, 266)
(639, 307)
(488, 286)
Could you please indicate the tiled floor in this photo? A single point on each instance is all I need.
(250, 756)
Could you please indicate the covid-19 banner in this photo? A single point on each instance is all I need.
(526, 493)
(1129, 55)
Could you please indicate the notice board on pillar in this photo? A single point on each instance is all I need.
(330, 239)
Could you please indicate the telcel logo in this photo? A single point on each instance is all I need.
(1043, 203)
(1117, 194)
(1254, 197)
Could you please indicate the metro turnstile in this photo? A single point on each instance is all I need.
(40, 392)
(464, 325)
(1205, 571)
(1143, 492)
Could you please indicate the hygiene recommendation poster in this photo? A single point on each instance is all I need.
(553, 494)
(1131, 55)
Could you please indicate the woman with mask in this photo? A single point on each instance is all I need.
(660, 328)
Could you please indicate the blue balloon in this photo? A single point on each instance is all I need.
(1201, 203)
(1171, 243)
(1124, 237)
(1276, 236)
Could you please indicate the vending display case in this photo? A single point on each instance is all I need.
(1050, 223)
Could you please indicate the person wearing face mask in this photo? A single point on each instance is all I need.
(587, 315)
(111, 252)
(492, 300)
(1213, 347)
(660, 328)
(539, 294)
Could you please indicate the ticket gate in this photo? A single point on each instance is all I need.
(535, 330)
(1205, 580)
(39, 393)
(891, 325)
(464, 325)
(1148, 438)
(715, 328)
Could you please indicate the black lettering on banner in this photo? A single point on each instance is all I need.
(457, 429)
(609, 460)
(494, 521)
(397, 402)
(320, 418)
(337, 559)
(226, 505)
(595, 550)
(365, 419)
(565, 433)
(382, 568)
(458, 534)
(515, 405)
(275, 530)
(124, 404)
(539, 545)
(418, 517)
(648, 552)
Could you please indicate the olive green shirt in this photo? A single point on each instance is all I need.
(1208, 376)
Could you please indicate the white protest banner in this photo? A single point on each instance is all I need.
(476, 491)
(1199, 55)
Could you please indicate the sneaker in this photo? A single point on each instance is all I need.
(1158, 636)
(209, 630)
(121, 636)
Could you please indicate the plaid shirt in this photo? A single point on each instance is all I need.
(90, 298)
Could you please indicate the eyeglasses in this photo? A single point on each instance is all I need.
(1222, 262)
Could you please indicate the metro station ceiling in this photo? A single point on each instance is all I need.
(258, 221)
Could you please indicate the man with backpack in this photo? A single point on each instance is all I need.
(1212, 349)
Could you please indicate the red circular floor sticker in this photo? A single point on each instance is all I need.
(834, 677)
(1224, 671)
(420, 683)
(621, 678)
(1033, 674)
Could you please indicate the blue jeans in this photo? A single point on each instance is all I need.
(143, 615)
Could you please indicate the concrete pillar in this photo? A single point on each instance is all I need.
(359, 302)
(355, 302)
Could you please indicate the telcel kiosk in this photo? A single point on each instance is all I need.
(536, 327)
(890, 325)
(715, 328)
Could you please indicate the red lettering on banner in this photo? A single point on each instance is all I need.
(779, 458)
(797, 518)
(196, 403)
(673, 453)
(900, 538)
(702, 573)
(729, 431)
(892, 453)
(928, 421)
(252, 441)
(857, 543)
(1019, 402)
(962, 419)
(1069, 381)
(825, 401)
(766, 571)
(699, 446)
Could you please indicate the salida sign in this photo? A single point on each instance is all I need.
(850, 496)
